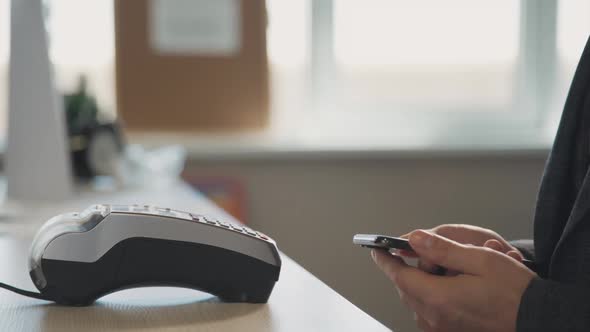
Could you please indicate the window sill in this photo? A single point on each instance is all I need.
(266, 146)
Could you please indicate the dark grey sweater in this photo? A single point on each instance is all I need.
(559, 300)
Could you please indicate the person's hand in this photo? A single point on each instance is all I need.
(484, 296)
(466, 234)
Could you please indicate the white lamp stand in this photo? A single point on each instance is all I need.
(37, 161)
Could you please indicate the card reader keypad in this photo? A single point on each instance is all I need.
(167, 212)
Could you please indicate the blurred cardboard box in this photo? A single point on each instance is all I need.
(189, 65)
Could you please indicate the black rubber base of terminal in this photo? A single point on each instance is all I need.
(136, 262)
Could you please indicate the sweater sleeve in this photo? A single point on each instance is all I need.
(552, 306)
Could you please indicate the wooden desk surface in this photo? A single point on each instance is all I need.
(299, 302)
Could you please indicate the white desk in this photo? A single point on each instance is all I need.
(299, 302)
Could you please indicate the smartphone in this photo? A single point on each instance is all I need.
(381, 242)
(390, 242)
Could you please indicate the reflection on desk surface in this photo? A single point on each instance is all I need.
(171, 312)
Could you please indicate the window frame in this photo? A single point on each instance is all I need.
(536, 76)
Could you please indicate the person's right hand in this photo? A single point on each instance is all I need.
(467, 234)
(484, 295)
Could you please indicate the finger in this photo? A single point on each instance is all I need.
(495, 245)
(452, 255)
(413, 282)
(419, 308)
(427, 266)
(407, 253)
(432, 268)
(409, 301)
(515, 254)
(415, 287)
(387, 262)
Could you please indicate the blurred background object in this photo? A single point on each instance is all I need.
(191, 65)
(225, 191)
(96, 143)
(382, 115)
(36, 163)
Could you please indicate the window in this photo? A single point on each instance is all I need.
(4, 48)
(573, 21)
(288, 33)
(440, 53)
(81, 41)
(398, 72)
(433, 72)
(574, 27)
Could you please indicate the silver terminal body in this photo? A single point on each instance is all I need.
(55, 227)
(87, 236)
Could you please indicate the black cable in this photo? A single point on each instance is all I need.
(25, 292)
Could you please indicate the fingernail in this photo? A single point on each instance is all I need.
(421, 239)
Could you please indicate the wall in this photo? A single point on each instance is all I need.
(313, 207)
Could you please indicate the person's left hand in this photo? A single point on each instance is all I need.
(484, 296)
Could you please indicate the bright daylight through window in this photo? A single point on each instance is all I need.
(348, 70)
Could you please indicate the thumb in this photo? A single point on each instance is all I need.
(450, 254)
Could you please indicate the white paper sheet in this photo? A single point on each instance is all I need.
(195, 27)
